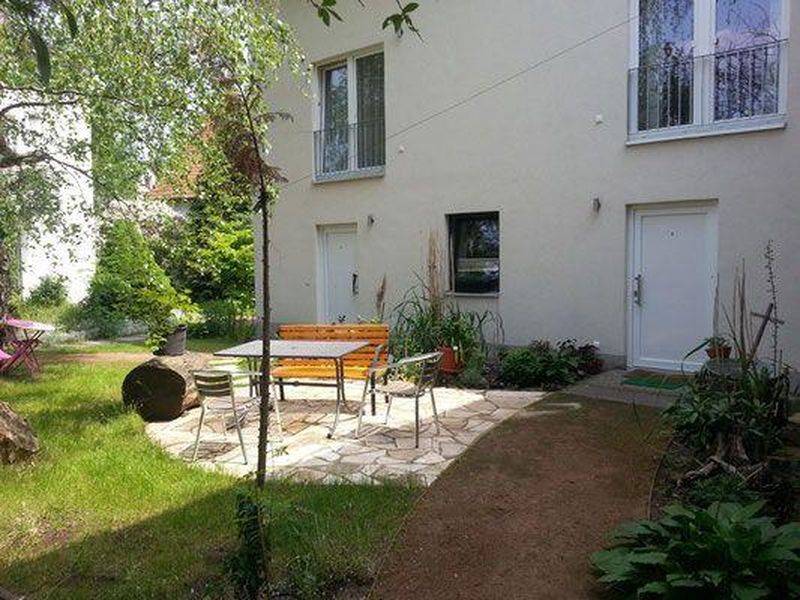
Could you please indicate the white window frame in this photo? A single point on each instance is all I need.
(703, 123)
(350, 60)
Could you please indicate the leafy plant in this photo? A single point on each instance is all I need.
(724, 551)
(733, 418)
(547, 365)
(716, 341)
(473, 375)
(230, 319)
(421, 325)
(720, 488)
(51, 292)
(248, 566)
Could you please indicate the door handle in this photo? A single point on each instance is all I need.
(637, 290)
(354, 284)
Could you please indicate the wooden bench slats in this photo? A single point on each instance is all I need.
(355, 364)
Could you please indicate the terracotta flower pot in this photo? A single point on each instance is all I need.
(450, 363)
(719, 352)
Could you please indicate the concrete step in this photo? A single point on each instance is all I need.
(608, 386)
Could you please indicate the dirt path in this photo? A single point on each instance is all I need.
(519, 514)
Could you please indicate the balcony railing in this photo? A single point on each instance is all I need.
(729, 85)
(355, 149)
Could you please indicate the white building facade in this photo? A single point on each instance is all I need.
(594, 170)
(69, 251)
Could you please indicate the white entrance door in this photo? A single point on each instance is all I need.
(338, 302)
(672, 279)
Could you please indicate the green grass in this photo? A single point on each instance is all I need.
(209, 345)
(103, 513)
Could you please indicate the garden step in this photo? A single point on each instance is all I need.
(608, 386)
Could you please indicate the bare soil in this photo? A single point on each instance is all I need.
(519, 514)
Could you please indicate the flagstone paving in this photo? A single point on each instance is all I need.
(383, 451)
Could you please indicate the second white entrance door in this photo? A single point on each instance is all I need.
(672, 283)
(338, 302)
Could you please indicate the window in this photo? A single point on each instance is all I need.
(707, 66)
(351, 137)
(474, 253)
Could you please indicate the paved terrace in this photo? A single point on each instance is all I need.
(382, 452)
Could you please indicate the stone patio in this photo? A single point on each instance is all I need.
(383, 451)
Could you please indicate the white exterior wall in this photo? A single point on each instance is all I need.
(532, 150)
(73, 258)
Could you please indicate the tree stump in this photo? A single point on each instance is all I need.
(162, 388)
(17, 440)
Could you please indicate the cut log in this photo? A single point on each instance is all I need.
(162, 388)
(17, 440)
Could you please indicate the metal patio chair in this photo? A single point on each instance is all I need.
(217, 392)
(423, 370)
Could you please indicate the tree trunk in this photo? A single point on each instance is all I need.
(162, 388)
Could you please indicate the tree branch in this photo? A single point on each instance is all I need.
(17, 105)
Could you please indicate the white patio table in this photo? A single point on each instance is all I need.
(302, 349)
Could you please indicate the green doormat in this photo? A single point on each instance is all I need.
(653, 380)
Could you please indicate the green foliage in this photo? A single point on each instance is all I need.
(129, 285)
(150, 525)
(51, 292)
(720, 488)
(210, 254)
(421, 326)
(724, 551)
(248, 566)
(714, 408)
(228, 319)
(473, 375)
(542, 364)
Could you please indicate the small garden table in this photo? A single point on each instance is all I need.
(23, 338)
(302, 349)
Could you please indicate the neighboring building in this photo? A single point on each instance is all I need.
(597, 167)
(70, 256)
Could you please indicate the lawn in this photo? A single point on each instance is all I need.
(103, 513)
(211, 344)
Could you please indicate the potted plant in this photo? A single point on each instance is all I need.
(717, 347)
(167, 335)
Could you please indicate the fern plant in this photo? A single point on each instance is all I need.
(724, 551)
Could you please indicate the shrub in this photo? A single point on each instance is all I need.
(51, 292)
(716, 413)
(547, 365)
(473, 375)
(128, 285)
(724, 551)
(231, 319)
(210, 253)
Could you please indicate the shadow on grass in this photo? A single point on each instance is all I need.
(176, 554)
(322, 537)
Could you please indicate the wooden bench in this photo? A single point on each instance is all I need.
(356, 365)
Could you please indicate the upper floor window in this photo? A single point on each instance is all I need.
(707, 66)
(474, 253)
(351, 140)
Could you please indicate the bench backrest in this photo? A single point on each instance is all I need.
(374, 333)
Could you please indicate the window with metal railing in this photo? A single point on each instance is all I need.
(352, 139)
(677, 88)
